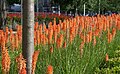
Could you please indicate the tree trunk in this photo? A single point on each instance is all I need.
(28, 33)
(2, 13)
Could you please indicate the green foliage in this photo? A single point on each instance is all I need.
(13, 1)
(91, 5)
(112, 66)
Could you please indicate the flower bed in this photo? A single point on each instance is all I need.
(75, 46)
(41, 17)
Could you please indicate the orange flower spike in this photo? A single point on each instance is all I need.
(36, 26)
(50, 34)
(61, 40)
(97, 32)
(58, 28)
(35, 41)
(92, 27)
(23, 71)
(34, 60)
(60, 21)
(44, 40)
(38, 37)
(64, 45)
(11, 38)
(50, 25)
(46, 31)
(110, 23)
(51, 31)
(35, 35)
(49, 39)
(109, 37)
(44, 27)
(55, 36)
(72, 31)
(82, 26)
(81, 35)
(82, 45)
(94, 41)
(54, 21)
(68, 25)
(87, 38)
(21, 64)
(71, 38)
(58, 42)
(81, 48)
(20, 34)
(108, 26)
(104, 27)
(51, 49)
(118, 24)
(20, 29)
(64, 26)
(49, 69)
(6, 33)
(101, 25)
(113, 32)
(17, 28)
(5, 38)
(84, 38)
(40, 30)
(106, 57)
(6, 30)
(54, 24)
(5, 60)
(76, 30)
(16, 41)
(90, 36)
(41, 38)
(2, 41)
(61, 24)
(13, 45)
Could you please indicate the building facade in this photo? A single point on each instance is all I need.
(44, 5)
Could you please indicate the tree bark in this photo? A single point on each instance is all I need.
(2, 13)
(28, 33)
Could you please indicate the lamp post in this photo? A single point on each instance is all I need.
(99, 7)
(76, 12)
(37, 7)
(84, 9)
(59, 10)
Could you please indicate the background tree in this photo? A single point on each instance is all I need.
(28, 33)
(10, 2)
(114, 5)
(64, 4)
(91, 5)
(2, 13)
